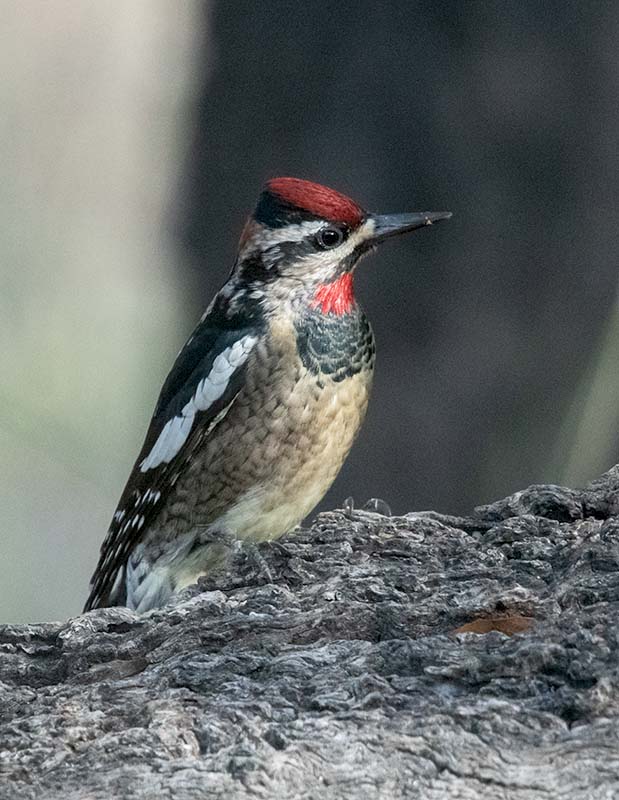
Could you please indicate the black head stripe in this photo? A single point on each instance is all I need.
(274, 212)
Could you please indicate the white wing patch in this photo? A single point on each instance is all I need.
(176, 431)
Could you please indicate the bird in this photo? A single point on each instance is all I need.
(262, 404)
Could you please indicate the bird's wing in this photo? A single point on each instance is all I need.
(204, 381)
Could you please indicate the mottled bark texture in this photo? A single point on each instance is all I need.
(375, 664)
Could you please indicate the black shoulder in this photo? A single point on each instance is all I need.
(219, 329)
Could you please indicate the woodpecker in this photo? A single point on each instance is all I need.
(263, 403)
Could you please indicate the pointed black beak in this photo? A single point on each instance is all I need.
(387, 225)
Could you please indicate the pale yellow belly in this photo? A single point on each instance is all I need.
(305, 460)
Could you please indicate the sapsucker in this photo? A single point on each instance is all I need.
(263, 402)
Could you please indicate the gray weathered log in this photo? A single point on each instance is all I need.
(344, 677)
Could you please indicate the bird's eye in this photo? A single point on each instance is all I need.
(326, 238)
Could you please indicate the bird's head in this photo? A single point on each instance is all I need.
(304, 240)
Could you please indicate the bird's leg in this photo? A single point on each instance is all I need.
(349, 507)
(257, 560)
(221, 540)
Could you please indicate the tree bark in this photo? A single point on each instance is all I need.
(423, 656)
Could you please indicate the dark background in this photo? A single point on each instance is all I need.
(134, 140)
(505, 114)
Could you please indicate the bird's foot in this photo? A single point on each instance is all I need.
(374, 504)
(378, 506)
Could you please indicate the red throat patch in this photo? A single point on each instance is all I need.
(317, 199)
(337, 297)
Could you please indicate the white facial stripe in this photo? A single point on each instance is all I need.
(326, 258)
(290, 233)
(356, 238)
(296, 233)
(176, 431)
(364, 231)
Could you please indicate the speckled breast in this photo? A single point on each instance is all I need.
(287, 434)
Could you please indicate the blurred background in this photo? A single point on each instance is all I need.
(134, 139)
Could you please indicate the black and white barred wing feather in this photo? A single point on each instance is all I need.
(203, 383)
